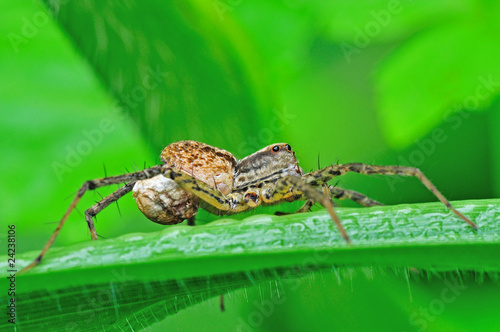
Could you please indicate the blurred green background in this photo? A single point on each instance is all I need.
(97, 88)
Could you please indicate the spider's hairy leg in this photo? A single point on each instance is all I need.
(104, 203)
(282, 188)
(361, 199)
(205, 192)
(191, 221)
(339, 193)
(90, 185)
(309, 203)
(321, 176)
(306, 207)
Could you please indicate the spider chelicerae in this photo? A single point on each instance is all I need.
(194, 174)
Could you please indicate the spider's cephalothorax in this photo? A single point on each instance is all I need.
(194, 174)
(252, 175)
(270, 163)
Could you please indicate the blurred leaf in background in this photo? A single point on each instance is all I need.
(93, 83)
(183, 64)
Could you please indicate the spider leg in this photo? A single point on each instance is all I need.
(309, 203)
(210, 195)
(90, 185)
(282, 189)
(338, 193)
(221, 303)
(105, 202)
(321, 176)
(215, 202)
(355, 196)
(190, 221)
(304, 208)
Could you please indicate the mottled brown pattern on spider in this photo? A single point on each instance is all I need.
(204, 162)
(161, 200)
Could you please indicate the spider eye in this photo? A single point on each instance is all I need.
(276, 148)
(288, 147)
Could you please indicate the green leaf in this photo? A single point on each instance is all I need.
(170, 65)
(193, 263)
(446, 69)
(495, 145)
(51, 114)
(383, 21)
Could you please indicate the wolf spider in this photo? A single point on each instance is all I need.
(194, 174)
